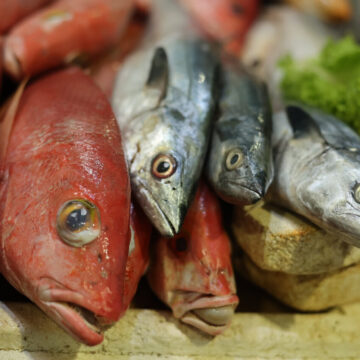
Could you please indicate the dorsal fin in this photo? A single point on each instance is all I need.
(159, 73)
(301, 122)
(7, 115)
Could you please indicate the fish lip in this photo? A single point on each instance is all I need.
(161, 221)
(190, 318)
(69, 319)
(66, 307)
(254, 195)
(201, 301)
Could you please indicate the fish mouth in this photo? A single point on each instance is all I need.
(168, 225)
(240, 194)
(82, 324)
(210, 314)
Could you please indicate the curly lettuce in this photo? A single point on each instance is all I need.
(330, 82)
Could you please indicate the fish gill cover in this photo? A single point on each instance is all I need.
(330, 82)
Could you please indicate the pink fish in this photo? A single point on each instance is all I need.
(226, 21)
(64, 31)
(192, 272)
(65, 202)
(11, 11)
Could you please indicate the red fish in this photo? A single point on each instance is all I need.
(226, 21)
(192, 272)
(138, 260)
(13, 10)
(65, 204)
(64, 31)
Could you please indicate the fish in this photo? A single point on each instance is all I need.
(330, 10)
(14, 10)
(163, 100)
(317, 172)
(281, 31)
(64, 32)
(139, 252)
(192, 272)
(65, 203)
(240, 165)
(226, 21)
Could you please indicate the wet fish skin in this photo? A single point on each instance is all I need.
(64, 146)
(163, 101)
(317, 171)
(240, 164)
(63, 32)
(192, 272)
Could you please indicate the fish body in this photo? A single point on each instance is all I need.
(163, 100)
(192, 272)
(65, 203)
(14, 10)
(240, 166)
(223, 20)
(317, 172)
(63, 32)
(139, 254)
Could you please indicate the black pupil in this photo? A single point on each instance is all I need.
(234, 159)
(164, 166)
(77, 219)
(181, 244)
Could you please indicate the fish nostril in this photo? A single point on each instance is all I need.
(216, 316)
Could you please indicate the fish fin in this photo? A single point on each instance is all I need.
(7, 115)
(301, 122)
(159, 73)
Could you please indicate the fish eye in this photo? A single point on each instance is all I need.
(356, 193)
(78, 222)
(163, 166)
(234, 159)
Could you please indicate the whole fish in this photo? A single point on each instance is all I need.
(192, 272)
(13, 10)
(317, 170)
(65, 31)
(139, 256)
(163, 101)
(226, 21)
(331, 10)
(65, 187)
(240, 166)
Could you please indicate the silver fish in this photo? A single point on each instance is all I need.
(240, 166)
(317, 167)
(163, 100)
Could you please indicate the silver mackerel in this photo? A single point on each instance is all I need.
(240, 166)
(163, 101)
(317, 167)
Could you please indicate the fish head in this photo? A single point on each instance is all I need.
(192, 272)
(330, 191)
(65, 216)
(239, 167)
(162, 168)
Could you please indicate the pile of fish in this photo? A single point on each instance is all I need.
(116, 167)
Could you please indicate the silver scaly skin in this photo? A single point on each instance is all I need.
(317, 167)
(240, 165)
(163, 100)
